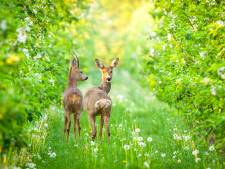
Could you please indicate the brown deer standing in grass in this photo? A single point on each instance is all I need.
(73, 98)
(96, 100)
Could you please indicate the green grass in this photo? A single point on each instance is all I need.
(133, 107)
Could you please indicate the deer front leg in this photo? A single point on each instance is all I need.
(101, 126)
(68, 127)
(106, 120)
(92, 121)
(75, 125)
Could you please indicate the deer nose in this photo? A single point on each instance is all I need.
(109, 78)
(86, 78)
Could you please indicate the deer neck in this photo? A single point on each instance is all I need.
(105, 86)
(72, 82)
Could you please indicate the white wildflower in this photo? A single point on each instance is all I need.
(52, 81)
(146, 165)
(195, 152)
(179, 161)
(169, 37)
(95, 150)
(197, 159)
(120, 125)
(206, 80)
(22, 36)
(211, 148)
(177, 137)
(142, 144)
(52, 154)
(15, 167)
(213, 91)
(152, 51)
(186, 137)
(46, 125)
(149, 139)
(220, 22)
(31, 165)
(202, 54)
(26, 52)
(221, 72)
(140, 138)
(137, 130)
(3, 25)
(92, 143)
(163, 155)
(38, 56)
(126, 147)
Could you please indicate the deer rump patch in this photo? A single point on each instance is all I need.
(103, 104)
(74, 99)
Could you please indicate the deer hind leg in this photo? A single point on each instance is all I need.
(78, 124)
(75, 125)
(101, 126)
(65, 122)
(93, 126)
(106, 120)
(68, 127)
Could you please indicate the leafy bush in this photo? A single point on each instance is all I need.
(36, 45)
(186, 63)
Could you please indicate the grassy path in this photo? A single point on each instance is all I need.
(134, 108)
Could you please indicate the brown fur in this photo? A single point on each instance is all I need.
(97, 102)
(72, 99)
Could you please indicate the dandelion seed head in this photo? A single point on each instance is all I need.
(211, 148)
(92, 143)
(126, 147)
(142, 144)
(149, 139)
(137, 130)
(140, 138)
(195, 152)
(163, 155)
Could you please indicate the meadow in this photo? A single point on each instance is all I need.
(167, 91)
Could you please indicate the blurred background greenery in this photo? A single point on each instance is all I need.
(176, 48)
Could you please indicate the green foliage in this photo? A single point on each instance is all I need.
(186, 63)
(36, 45)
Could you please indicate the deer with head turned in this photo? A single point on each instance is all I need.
(97, 102)
(72, 100)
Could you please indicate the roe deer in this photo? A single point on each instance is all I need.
(96, 100)
(73, 98)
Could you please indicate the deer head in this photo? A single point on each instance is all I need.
(107, 71)
(75, 72)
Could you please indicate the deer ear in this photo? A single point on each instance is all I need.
(99, 64)
(114, 62)
(74, 62)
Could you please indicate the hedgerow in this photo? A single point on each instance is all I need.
(37, 38)
(186, 63)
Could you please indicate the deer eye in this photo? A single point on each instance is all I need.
(110, 71)
(81, 72)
